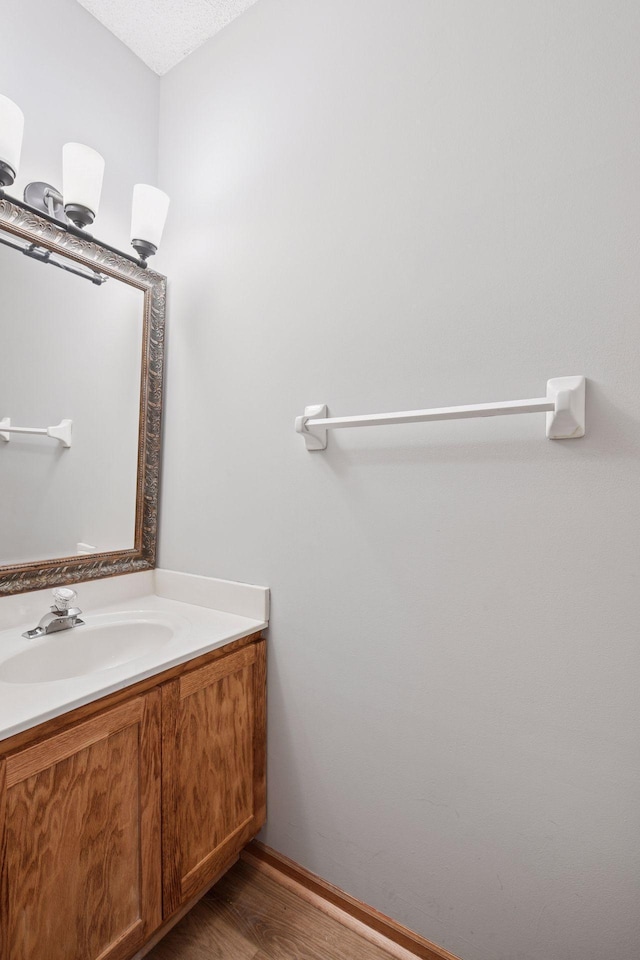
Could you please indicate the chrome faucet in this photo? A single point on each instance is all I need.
(62, 616)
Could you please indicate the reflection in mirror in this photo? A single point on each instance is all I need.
(71, 350)
(81, 369)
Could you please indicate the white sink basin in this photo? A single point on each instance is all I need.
(105, 641)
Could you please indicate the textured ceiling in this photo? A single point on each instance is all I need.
(164, 32)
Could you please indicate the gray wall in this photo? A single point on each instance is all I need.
(383, 206)
(73, 81)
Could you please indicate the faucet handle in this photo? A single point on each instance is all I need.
(63, 598)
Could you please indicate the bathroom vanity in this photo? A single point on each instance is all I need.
(132, 741)
(116, 815)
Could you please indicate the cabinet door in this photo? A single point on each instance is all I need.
(80, 841)
(213, 775)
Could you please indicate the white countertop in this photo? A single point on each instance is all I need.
(198, 629)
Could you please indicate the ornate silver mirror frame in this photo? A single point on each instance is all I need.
(87, 253)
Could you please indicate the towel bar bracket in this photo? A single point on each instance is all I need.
(567, 420)
(315, 437)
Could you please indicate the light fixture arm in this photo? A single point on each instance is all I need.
(46, 199)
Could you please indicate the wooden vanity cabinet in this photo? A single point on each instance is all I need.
(110, 825)
(80, 839)
(213, 776)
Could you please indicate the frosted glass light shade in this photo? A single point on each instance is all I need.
(148, 214)
(82, 173)
(11, 130)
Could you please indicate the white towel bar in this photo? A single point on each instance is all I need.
(564, 405)
(61, 432)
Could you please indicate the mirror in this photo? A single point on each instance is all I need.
(81, 363)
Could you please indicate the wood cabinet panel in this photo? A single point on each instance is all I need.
(80, 839)
(89, 847)
(213, 769)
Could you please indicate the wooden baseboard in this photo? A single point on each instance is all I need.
(399, 941)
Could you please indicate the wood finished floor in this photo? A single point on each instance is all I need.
(248, 916)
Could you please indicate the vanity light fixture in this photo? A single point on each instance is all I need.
(76, 207)
(11, 130)
(82, 173)
(148, 216)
